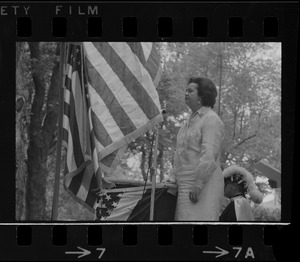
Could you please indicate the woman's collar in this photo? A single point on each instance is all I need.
(203, 110)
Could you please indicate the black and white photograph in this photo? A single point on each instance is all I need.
(148, 131)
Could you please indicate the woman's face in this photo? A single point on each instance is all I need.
(191, 97)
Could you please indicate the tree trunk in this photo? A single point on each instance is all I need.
(220, 78)
(40, 135)
(242, 121)
(160, 161)
(22, 97)
(143, 163)
(234, 124)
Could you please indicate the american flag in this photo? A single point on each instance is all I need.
(110, 100)
(126, 204)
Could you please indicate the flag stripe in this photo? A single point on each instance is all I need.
(71, 164)
(98, 145)
(100, 132)
(75, 133)
(158, 77)
(91, 197)
(110, 161)
(137, 49)
(67, 92)
(131, 188)
(67, 113)
(111, 131)
(116, 109)
(147, 47)
(134, 92)
(79, 107)
(153, 64)
(76, 182)
(148, 57)
(129, 68)
(142, 208)
(65, 135)
(84, 185)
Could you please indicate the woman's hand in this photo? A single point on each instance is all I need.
(194, 194)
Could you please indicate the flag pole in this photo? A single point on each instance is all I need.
(54, 214)
(153, 175)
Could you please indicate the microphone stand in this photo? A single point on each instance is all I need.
(154, 172)
(153, 176)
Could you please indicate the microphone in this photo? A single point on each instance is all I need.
(164, 113)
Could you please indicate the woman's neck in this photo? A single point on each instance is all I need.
(196, 109)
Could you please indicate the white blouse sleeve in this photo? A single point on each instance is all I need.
(212, 133)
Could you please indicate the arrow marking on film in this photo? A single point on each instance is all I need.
(220, 253)
(82, 253)
(102, 250)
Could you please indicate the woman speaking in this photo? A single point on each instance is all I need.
(196, 166)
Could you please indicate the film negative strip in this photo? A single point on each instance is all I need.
(248, 49)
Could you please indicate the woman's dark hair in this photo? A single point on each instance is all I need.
(241, 186)
(206, 90)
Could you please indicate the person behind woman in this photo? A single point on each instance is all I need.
(239, 182)
(196, 167)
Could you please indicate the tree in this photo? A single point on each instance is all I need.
(43, 120)
(22, 101)
(251, 93)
